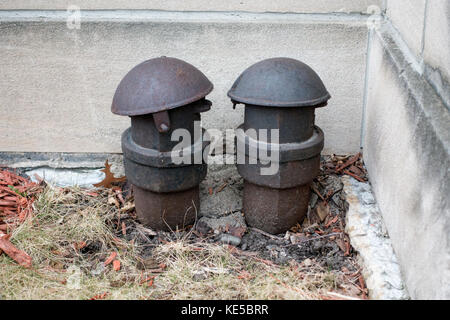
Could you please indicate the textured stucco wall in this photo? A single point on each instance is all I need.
(56, 84)
(425, 27)
(407, 139)
(437, 47)
(409, 18)
(406, 150)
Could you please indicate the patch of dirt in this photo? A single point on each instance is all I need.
(319, 239)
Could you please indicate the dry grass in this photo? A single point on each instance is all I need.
(64, 218)
(205, 271)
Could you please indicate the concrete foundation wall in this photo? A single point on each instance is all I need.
(57, 84)
(425, 27)
(409, 18)
(406, 150)
(437, 47)
(407, 139)
(303, 6)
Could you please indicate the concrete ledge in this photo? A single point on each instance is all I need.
(64, 169)
(369, 237)
(180, 16)
(406, 150)
(304, 6)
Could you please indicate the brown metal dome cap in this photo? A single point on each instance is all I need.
(159, 84)
(279, 82)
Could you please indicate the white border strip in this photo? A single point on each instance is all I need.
(368, 235)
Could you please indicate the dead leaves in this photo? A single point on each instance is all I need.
(322, 210)
(109, 179)
(237, 231)
(99, 296)
(148, 281)
(349, 165)
(349, 162)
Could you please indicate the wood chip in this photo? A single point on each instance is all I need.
(17, 255)
(116, 265)
(111, 257)
(109, 179)
(99, 296)
(353, 176)
(221, 187)
(332, 221)
(349, 162)
(79, 245)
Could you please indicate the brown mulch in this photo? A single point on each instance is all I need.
(17, 195)
(352, 166)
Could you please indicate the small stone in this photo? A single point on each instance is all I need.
(229, 239)
(202, 227)
(337, 199)
(307, 262)
(98, 270)
(367, 198)
(317, 245)
(234, 221)
(199, 275)
(313, 200)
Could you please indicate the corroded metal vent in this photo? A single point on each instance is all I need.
(162, 95)
(282, 94)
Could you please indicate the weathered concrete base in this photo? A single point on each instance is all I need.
(368, 235)
(221, 191)
(64, 169)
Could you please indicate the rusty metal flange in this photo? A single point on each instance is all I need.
(172, 179)
(155, 158)
(290, 174)
(288, 151)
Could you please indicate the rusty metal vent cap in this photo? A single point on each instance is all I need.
(279, 82)
(159, 84)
